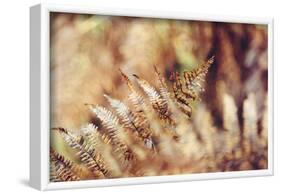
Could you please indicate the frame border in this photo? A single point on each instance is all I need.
(40, 95)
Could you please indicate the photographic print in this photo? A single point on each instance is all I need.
(142, 97)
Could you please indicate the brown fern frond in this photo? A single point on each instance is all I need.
(181, 96)
(159, 104)
(60, 129)
(144, 114)
(101, 144)
(163, 88)
(123, 112)
(54, 177)
(91, 144)
(62, 169)
(116, 134)
(130, 120)
(139, 110)
(73, 134)
(91, 132)
(126, 78)
(185, 93)
(87, 156)
(134, 97)
(193, 79)
(110, 122)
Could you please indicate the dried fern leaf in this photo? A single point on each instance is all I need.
(158, 102)
(116, 134)
(194, 78)
(166, 95)
(137, 101)
(185, 93)
(91, 134)
(139, 110)
(61, 130)
(182, 97)
(145, 115)
(53, 173)
(87, 156)
(92, 145)
(163, 88)
(73, 134)
(100, 145)
(135, 98)
(62, 169)
(130, 120)
(110, 122)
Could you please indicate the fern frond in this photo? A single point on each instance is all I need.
(92, 145)
(130, 120)
(181, 96)
(62, 169)
(60, 130)
(139, 110)
(134, 97)
(163, 88)
(193, 79)
(91, 135)
(115, 132)
(109, 121)
(157, 101)
(101, 144)
(144, 114)
(74, 134)
(54, 177)
(123, 111)
(107, 117)
(184, 93)
(87, 156)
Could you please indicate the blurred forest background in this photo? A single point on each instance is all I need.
(88, 50)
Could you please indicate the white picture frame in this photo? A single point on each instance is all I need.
(40, 97)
